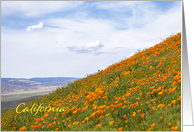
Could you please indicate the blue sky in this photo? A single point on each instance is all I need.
(75, 38)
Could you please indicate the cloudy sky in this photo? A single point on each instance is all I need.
(75, 38)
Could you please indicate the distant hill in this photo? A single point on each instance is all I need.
(14, 84)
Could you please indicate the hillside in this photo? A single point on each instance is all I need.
(140, 93)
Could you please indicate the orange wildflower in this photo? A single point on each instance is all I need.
(69, 125)
(54, 123)
(154, 108)
(174, 101)
(126, 121)
(132, 105)
(142, 115)
(119, 105)
(87, 118)
(136, 103)
(22, 128)
(174, 128)
(99, 125)
(153, 125)
(120, 129)
(149, 129)
(139, 111)
(100, 117)
(112, 122)
(124, 107)
(134, 114)
(152, 100)
(93, 114)
(179, 98)
(50, 125)
(170, 124)
(124, 116)
(57, 129)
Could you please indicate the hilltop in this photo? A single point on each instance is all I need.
(140, 93)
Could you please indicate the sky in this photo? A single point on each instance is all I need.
(76, 38)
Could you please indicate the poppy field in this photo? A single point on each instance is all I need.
(140, 93)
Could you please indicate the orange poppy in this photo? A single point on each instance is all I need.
(154, 108)
(142, 115)
(153, 125)
(134, 114)
(120, 129)
(174, 128)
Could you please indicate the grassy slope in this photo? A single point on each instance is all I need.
(148, 83)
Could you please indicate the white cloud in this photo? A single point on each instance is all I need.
(88, 48)
(30, 28)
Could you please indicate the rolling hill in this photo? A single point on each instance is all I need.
(140, 93)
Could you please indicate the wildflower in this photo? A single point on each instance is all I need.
(139, 111)
(112, 122)
(161, 117)
(170, 124)
(119, 105)
(124, 107)
(120, 129)
(126, 121)
(134, 114)
(93, 114)
(160, 93)
(152, 100)
(174, 128)
(57, 129)
(174, 101)
(100, 117)
(69, 125)
(107, 114)
(87, 118)
(132, 105)
(142, 115)
(149, 129)
(179, 98)
(154, 108)
(136, 103)
(124, 116)
(54, 123)
(153, 125)
(99, 125)
(50, 125)
(22, 128)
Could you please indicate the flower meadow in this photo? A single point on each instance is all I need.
(140, 93)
